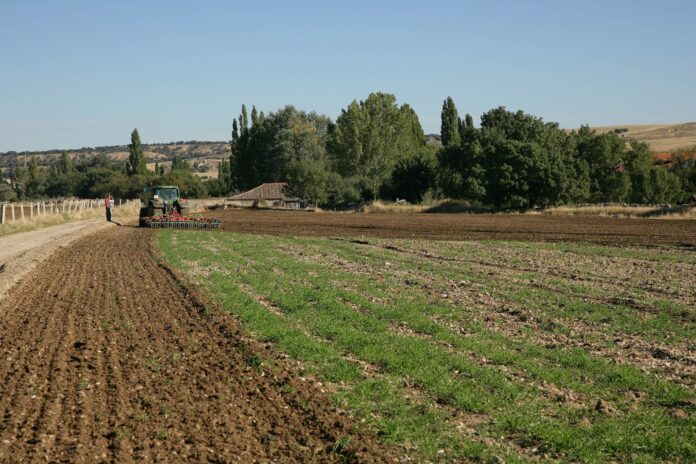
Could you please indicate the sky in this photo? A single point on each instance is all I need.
(85, 73)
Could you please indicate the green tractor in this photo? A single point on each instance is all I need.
(162, 206)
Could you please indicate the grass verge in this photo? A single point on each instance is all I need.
(39, 222)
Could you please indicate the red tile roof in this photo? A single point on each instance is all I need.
(269, 191)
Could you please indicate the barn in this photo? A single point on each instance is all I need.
(271, 194)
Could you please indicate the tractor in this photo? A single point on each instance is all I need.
(161, 206)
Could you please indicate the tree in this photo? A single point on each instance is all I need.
(449, 128)
(235, 136)
(224, 175)
(469, 121)
(370, 138)
(65, 165)
(136, 158)
(665, 187)
(178, 163)
(190, 185)
(244, 120)
(6, 193)
(19, 180)
(283, 142)
(63, 178)
(605, 156)
(461, 174)
(35, 183)
(412, 177)
(684, 167)
(307, 179)
(254, 116)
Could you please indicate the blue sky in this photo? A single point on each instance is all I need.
(85, 73)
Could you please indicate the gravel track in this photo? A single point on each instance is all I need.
(107, 356)
(20, 252)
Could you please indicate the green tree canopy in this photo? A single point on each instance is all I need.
(282, 145)
(136, 158)
(371, 137)
(449, 128)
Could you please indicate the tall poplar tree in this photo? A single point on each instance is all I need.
(235, 137)
(449, 129)
(243, 120)
(136, 158)
(254, 116)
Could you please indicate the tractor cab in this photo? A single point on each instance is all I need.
(161, 193)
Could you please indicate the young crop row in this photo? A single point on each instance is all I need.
(417, 339)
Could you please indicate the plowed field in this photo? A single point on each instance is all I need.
(463, 227)
(105, 355)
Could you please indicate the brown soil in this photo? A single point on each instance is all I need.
(462, 227)
(21, 252)
(106, 355)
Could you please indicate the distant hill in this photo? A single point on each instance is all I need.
(660, 137)
(203, 156)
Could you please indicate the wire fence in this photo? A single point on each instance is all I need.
(29, 210)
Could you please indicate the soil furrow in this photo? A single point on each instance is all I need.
(538, 228)
(130, 365)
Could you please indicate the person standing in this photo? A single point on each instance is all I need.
(109, 203)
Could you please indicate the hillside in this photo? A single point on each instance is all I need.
(203, 156)
(660, 137)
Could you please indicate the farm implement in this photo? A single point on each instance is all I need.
(162, 207)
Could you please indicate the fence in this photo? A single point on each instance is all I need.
(12, 212)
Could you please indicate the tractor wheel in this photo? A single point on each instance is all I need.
(142, 216)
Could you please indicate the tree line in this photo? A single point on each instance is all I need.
(376, 149)
(98, 176)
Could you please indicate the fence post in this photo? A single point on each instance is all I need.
(21, 210)
(13, 216)
(2, 214)
(31, 210)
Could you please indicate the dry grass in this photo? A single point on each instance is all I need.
(660, 137)
(606, 210)
(625, 211)
(384, 207)
(129, 211)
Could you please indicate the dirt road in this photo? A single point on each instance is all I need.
(463, 226)
(107, 356)
(20, 252)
